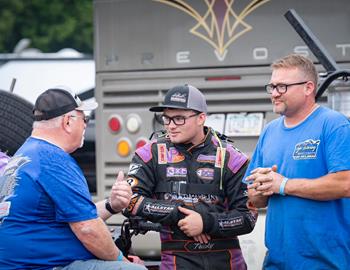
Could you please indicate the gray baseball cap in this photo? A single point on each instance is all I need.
(185, 97)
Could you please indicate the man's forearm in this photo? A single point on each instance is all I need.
(154, 210)
(103, 213)
(96, 238)
(329, 187)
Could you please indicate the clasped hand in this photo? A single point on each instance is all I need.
(192, 225)
(264, 181)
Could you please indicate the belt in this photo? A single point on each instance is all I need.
(180, 187)
(193, 246)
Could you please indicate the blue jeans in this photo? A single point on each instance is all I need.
(100, 265)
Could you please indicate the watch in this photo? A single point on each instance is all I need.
(109, 207)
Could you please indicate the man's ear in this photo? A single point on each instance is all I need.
(202, 117)
(310, 88)
(66, 123)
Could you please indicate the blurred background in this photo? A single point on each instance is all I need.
(46, 26)
(44, 44)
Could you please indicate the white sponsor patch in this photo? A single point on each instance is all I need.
(205, 173)
(157, 208)
(227, 224)
(179, 97)
(134, 168)
(176, 172)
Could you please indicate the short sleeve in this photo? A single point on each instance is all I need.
(66, 185)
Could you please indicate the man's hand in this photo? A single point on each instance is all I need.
(192, 225)
(135, 259)
(120, 194)
(202, 238)
(266, 181)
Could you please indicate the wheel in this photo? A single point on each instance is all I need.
(16, 120)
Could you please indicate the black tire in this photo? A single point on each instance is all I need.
(16, 120)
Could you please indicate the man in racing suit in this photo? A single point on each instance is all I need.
(189, 180)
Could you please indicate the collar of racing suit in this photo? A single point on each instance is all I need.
(191, 147)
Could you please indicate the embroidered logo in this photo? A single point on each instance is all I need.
(220, 157)
(132, 181)
(190, 199)
(179, 97)
(199, 246)
(134, 168)
(206, 158)
(133, 202)
(227, 224)
(205, 173)
(162, 153)
(174, 156)
(157, 209)
(306, 150)
(176, 172)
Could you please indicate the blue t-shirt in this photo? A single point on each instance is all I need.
(303, 233)
(41, 191)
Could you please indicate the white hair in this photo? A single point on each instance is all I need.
(51, 123)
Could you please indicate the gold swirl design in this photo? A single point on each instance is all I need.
(208, 28)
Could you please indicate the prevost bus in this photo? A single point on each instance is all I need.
(222, 47)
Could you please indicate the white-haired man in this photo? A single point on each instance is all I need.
(47, 218)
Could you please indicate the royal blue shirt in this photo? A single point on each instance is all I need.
(303, 233)
(41, 191)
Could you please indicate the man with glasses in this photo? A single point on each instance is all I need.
(300, 171)
(189, 179)
(47, 217)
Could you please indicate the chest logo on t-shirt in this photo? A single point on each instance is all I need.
(306, 149)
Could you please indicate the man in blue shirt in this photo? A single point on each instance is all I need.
(47, 217)
(300, 171)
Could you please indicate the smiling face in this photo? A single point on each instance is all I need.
(189, 128)
(294, 99)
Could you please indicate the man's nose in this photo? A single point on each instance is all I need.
(172, 124)
(275, 93)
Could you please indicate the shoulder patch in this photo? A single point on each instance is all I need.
(145, 152)
(134, 168)
(237, 158)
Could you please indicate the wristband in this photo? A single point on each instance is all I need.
(283, 185)
(120, 256)
(109, 207)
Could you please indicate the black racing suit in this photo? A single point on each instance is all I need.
(164, 176)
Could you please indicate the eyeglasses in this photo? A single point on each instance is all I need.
(178, 120)
(281, 87)
(85, 118)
